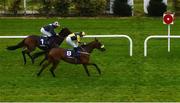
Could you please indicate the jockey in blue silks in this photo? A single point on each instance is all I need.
(48, 31)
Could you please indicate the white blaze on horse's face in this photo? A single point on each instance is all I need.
(102, 46)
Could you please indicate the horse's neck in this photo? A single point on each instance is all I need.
(57, 40)
(89, 47)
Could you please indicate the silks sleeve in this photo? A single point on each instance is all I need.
(78, 38)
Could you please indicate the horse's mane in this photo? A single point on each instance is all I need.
(85, 45)
(64, 32)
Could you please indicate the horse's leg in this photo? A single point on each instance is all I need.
(32, 60)
(98, 69)
(30, 48)
(37, 54)
(24, 56)
(85, 67)
(43, 67)
(43, 61)
(54, 66)
(45, 58)
(24, 52)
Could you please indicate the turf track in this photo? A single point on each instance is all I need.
(124, 78)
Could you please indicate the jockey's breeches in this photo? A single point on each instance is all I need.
(71, 43)
(45, 33)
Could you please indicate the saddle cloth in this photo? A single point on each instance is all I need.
(70, 53)
(43, 41)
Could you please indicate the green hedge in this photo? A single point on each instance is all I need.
(62, 7)
(121, 8)
(156, 8)
(15, 6)
(47, 7)
(80, 7)
(90, 7)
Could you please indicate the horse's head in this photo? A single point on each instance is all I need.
(98, 45)
(64, 32)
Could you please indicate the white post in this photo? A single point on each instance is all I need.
(111, 6)
(156, 36)
(169, 38)
(131, 3)
(165, 2)
(115, 36)
(146, 4)
(24, 7)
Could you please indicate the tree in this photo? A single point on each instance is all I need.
(62, 7)
(47, 7)
(121, 8)
(15, 6)
(90, 7)
(156, 8)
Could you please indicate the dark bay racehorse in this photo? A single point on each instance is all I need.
(30, 43)
(55, 55)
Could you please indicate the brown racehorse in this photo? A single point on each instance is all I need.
(30, 43)
(57, 54)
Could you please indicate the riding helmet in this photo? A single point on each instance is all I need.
(56, 24)
(83, 33)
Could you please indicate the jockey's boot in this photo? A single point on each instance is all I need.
(46, 42)
(76, 54)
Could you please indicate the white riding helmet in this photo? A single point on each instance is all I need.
(56, 24)
(83, 33)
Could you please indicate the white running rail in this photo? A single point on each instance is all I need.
(9, 37)
(156, 36)
(93, 36)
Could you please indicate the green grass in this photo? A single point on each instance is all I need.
(124, 78)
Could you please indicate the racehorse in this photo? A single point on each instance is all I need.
(55, 55)
(30, 43)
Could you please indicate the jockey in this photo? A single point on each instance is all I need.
(48, 30)
(74, 40)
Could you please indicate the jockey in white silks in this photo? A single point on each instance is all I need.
(74, 40)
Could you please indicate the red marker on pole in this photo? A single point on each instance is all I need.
(168, 18)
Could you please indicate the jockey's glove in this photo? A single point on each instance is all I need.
(82, 43)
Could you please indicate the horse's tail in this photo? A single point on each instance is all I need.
(14, 47)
